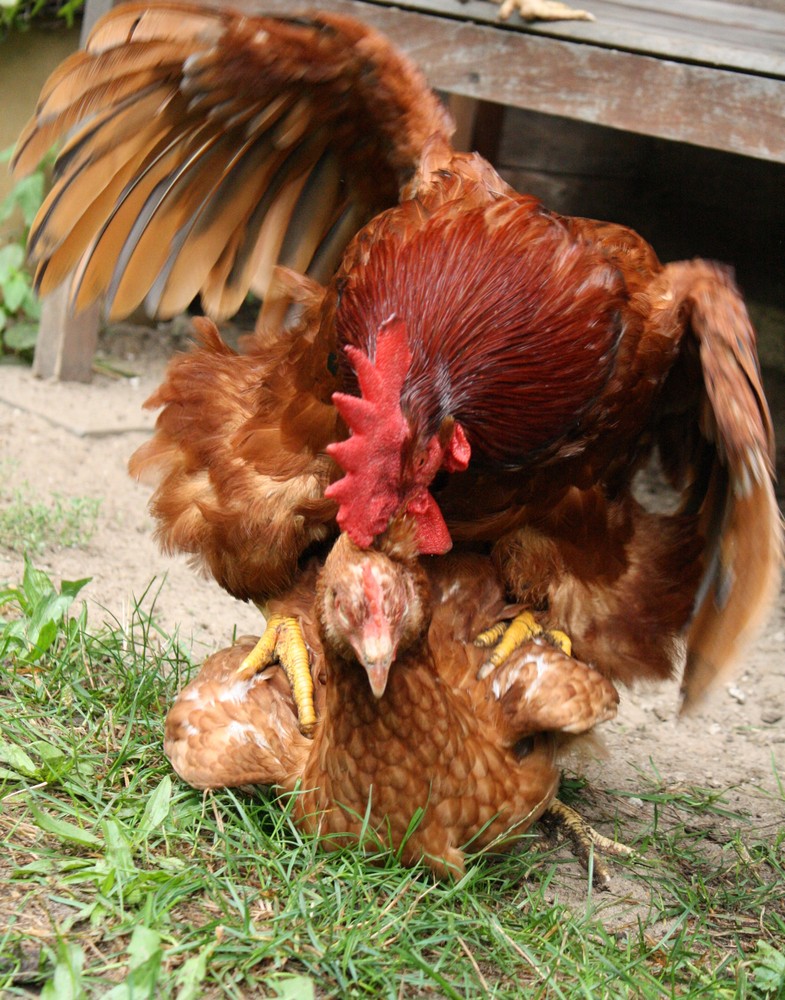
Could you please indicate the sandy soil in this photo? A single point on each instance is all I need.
(76, 439)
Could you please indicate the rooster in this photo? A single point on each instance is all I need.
(452, 351)
(405, 727)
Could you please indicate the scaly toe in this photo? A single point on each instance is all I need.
(585, 841)
(283, 642)
(560, 639)
(513, 634)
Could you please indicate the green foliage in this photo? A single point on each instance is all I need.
(29, 525)
(18, 15)
(38, 615)
(120, 881)
(769, 970)
(19, 306)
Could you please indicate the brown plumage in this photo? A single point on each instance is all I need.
(478, 757)
(466, 328)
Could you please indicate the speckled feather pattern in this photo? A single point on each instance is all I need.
(478, 757)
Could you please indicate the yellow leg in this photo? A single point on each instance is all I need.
(506, 637)
(283, 642)
(584, 840)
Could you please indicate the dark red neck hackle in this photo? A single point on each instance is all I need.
(372, 456)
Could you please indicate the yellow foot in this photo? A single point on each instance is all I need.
(543, 10)
(506, 637)
(283, 642)
(560, 819)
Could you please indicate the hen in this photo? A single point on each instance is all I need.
(464, 328)
(406, 730)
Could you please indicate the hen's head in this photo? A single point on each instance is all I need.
(388, 465)
(372, 605)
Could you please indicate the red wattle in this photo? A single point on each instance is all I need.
(433, 538)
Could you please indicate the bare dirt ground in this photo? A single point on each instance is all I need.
(76, 439)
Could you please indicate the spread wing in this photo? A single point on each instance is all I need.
(204, 147)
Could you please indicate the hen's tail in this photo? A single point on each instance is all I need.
(740, 521)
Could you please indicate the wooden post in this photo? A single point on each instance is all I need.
(66, 343)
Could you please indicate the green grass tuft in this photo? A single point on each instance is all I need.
(29, 526)
(120, 881)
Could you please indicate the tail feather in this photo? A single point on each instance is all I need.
(740, 585)
(742, 525)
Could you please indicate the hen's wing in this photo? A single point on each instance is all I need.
(542, 689)
(716, 439)
(206, 146)
(223, 732)
(238, 459)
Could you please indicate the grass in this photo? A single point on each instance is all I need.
(119, 882)
(32, 526)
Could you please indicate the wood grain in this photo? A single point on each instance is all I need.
(718, 108)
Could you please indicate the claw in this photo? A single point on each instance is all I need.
(585, 841)
(509, 636)
(283, 642)
(543, 10)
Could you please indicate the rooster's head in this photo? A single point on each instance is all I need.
(388, 465)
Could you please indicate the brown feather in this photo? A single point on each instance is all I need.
(473, 756)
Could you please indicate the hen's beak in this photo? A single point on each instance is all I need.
(376, 653)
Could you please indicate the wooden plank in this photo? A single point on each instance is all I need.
(718, 109)
(703, 32)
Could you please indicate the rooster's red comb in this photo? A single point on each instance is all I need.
(370, 492)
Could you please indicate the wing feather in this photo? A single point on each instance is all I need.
(214, 142)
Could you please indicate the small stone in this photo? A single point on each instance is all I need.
(770, 716)
(737, 694)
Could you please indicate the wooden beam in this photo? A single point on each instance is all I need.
(720, 109)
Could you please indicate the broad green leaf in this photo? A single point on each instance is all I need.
(28, 194)
(35, 584)
(145, 954)
(72, 587)
(63, 830)
(295, 988)
(21, 336)
(769, 966)
(14, 290)
(66, 983)
(12, 257)
(156, 809)
(189, 977)
(144, 945)
(118, 848)
(16, 758)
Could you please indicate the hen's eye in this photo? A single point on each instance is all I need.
(340, 611)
